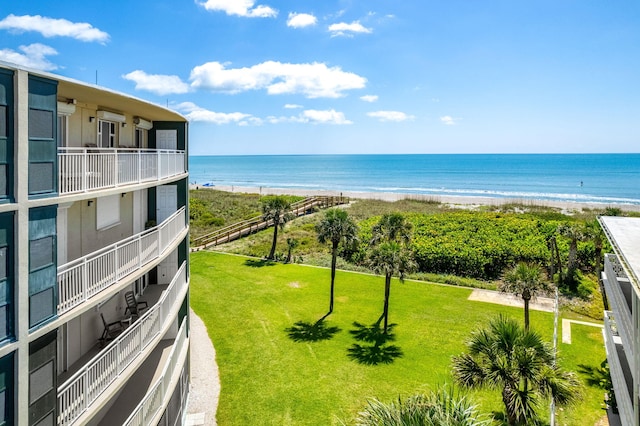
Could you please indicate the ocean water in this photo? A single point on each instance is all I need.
(593, 178)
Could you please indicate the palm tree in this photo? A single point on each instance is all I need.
(292, 243)
(389, 259)
(337, 228)
(390, 255)
(391, 227)
(524, 280)
(275, 208)
(505, 355)
(574, 233)
(442, 407)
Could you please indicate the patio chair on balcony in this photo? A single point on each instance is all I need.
(111, 330)
(134, 307)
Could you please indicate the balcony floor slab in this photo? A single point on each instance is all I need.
(138, 386)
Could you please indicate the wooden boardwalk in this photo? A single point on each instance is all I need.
(255, 224)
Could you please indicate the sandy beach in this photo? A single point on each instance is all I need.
(461, 201)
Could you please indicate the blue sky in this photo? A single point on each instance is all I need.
(349, 76)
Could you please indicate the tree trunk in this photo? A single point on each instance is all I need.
(387, 290)
(526, 313)
(572, 266)
(555, 248)
(334, 256)
(511, 417)
(275, 240)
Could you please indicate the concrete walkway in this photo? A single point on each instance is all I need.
(204, 390)
(545, 304)
(566, 328)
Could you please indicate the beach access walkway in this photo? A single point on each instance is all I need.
(257, 223)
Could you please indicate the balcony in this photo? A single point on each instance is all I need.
(621, 374)
(122, 356)
(87, 276)
(618, 289)
(151, 408)
(92, 169)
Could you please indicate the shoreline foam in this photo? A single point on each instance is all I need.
(454, 200)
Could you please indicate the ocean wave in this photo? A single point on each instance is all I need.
(487, 193)
(589, 198)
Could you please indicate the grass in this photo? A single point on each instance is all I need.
(268, 378)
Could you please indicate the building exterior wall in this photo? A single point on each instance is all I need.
(622, 322)
(68, 254)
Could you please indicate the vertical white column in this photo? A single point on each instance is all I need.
(62, 225)
(138, 219)
(21, 127)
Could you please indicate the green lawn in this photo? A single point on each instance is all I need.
(269, 379)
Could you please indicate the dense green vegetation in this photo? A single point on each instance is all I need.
(475, 244)
(210, 209)
(268, 377)
(449, 245)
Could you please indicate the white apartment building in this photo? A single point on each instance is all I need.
(622, 323)
(93, 210)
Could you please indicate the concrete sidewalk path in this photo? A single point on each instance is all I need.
(539, 304)
(204, 390)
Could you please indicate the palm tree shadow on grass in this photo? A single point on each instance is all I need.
(598, 377)
(303, 331)
(254, 263)
(376, 351)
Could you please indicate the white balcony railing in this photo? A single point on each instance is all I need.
(90, 169)
(152, 404)
(81, 390)
(83, 278)
(623, 400)
(613, 282)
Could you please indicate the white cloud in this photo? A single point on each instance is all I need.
(156, 83)
(369, 98)
(314, 80)
(313, 116)
(301, 20)
(292, 106)
(244, 8)
(325, 117)
(33, 56)
(449, 121)
(196, 113)
(396, 116)
(344, 29)
(50, 27)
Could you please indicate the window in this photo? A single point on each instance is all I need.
(41, 177)
(3, 121)
(107, 211)
(4, 263)
(41, 306)
(107, 134)
(40, 253)
(41, 381)
(7, 389)
(40, 124)
(3, 144)
(4, 189)
(62, 130)
(141, 138)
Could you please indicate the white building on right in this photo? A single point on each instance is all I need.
(621, 277)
